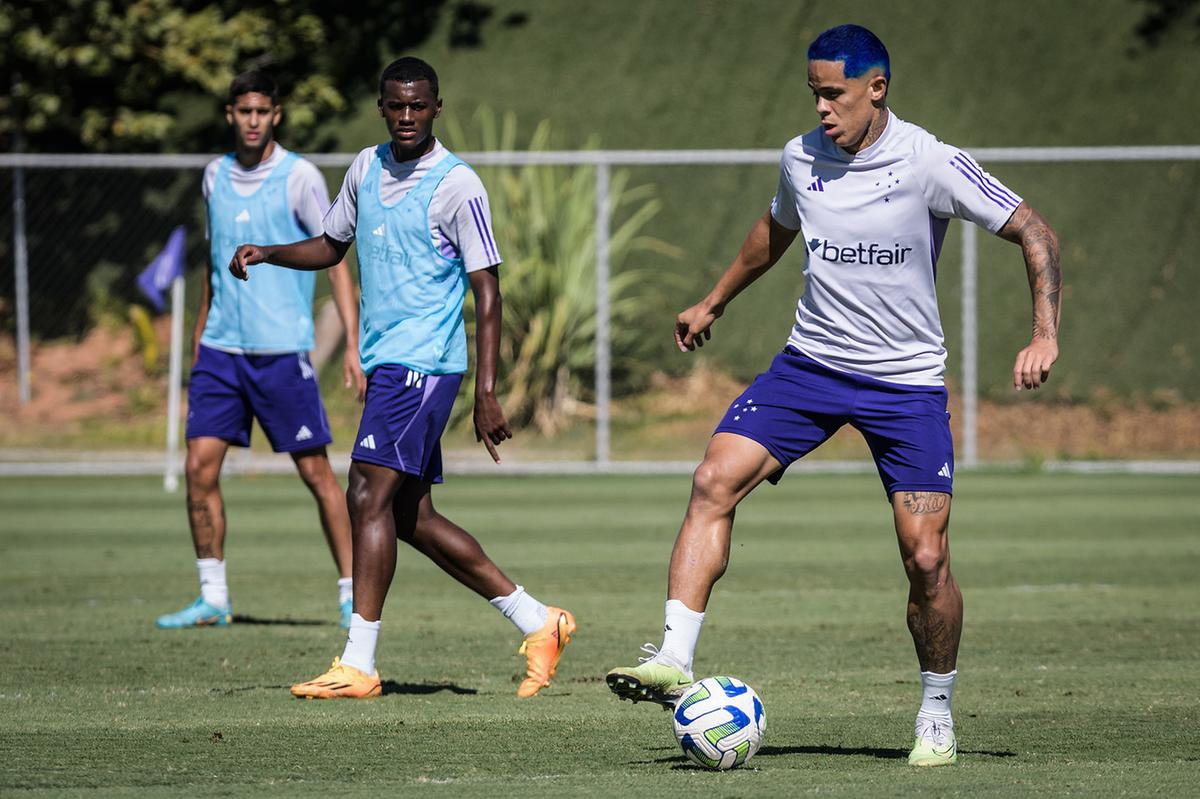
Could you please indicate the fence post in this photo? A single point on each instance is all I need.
(970, 348)
(21, 270)
(603, 343)
(174, 378)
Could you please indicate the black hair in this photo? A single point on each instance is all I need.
(254, 81)
(408, 70)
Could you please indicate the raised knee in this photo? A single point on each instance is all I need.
(710, 486)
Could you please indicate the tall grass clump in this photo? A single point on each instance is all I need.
(544, 220)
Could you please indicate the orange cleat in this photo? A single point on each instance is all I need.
(543, 648)
(340, 682)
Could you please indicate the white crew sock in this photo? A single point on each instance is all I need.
(345, 589)
(522, 610)
(937, 691)
(681, 630)
(213, 588)
(360, 644)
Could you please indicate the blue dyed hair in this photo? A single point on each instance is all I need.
(857, 48)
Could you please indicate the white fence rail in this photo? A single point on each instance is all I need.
(603, 161)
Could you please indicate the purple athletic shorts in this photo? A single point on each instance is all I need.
(797, 404)
(227, 392)
(403, 419)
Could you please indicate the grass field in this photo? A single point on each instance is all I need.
(1078, 668)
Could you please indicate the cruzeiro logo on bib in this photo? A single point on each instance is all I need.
(872, 254)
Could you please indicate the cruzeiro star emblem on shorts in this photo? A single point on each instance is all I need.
(743, 407)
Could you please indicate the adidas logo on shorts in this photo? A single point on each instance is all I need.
(303, 434)
(944, 471)
(368, 442)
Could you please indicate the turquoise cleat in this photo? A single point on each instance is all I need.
(347, 609)
(197, 614)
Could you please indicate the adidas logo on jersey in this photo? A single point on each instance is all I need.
(944, 471)
(377, 231)
(870, 254)
(303, 434)
(368, 442)
(816, 185)
(244, 216)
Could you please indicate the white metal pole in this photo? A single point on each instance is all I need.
(174, 378)
(21, 270)
(603, 343)
(970, 347)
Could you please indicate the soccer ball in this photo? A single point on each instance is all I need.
(719, 722)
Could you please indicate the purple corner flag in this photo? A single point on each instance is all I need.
(168, 265)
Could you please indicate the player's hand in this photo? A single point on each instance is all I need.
(692, 327)
(246, 255)
(1032, 367)
(352, 373)
(490, 425)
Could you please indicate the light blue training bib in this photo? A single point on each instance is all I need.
(412, 295)
(272, 312)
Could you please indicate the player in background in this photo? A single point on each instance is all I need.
(421, 218)
(874, 196)
(250, 345)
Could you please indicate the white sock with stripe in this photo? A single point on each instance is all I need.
(213, 588)
(360, 644)
(936, 693)
(521, 609)
(681, 631)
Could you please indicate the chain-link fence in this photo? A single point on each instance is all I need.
(651, 231)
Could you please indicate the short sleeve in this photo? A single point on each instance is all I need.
(783, 206)
(308, 197)
(342, 216)
(462, 217)
(956, 186)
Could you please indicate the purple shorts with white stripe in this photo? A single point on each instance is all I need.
(403, 419)
(797, 404)
(227, 392)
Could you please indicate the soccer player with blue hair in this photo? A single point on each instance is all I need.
(422, 222)
(874, 196)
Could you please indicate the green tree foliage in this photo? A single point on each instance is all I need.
(144, 75)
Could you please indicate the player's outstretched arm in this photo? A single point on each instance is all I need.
(319, 252)
(490, 425)
(765, 244)
(1039, 244)
(345, 299)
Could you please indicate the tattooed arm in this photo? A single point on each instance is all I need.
(1039, 244)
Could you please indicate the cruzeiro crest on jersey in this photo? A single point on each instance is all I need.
(868, 253)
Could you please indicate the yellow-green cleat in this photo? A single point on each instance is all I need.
(935, 745)
(655, 679)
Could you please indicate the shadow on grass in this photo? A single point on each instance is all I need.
(393, 687)
(682, 762)
(279, 622)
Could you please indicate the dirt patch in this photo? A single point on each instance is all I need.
(102, 378)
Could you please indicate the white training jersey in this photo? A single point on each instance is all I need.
(873, 224)
(460, 218)
(308, 197)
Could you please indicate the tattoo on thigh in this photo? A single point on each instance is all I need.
(921, 502)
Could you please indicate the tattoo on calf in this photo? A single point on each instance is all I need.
(922, 502)
(203, 528)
